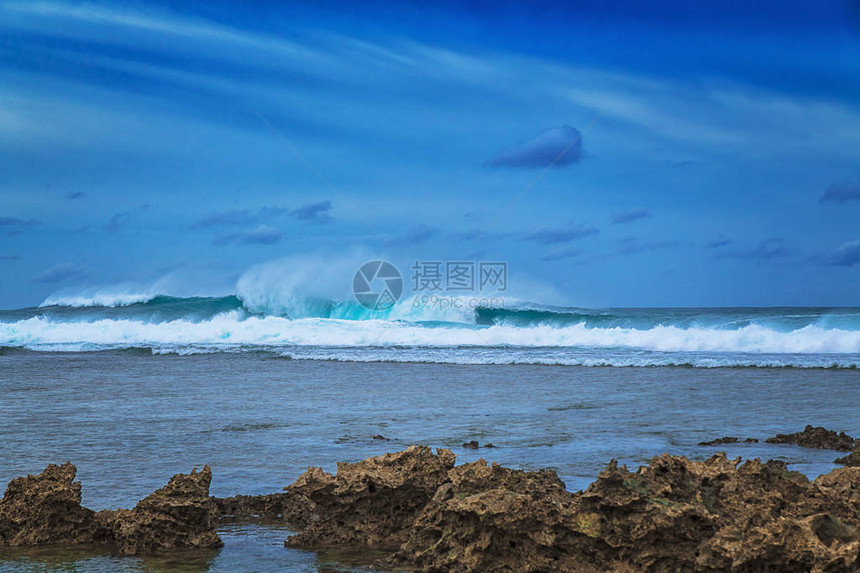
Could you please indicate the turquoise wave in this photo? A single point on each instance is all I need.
(164, 308)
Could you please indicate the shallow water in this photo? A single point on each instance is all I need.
(129, 420)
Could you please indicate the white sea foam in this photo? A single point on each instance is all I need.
(230, 330)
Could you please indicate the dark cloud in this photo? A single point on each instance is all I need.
(76, 195)
(482, 235)
(841, 193)
(418, 234)
(58, 273)
(228, 219)
(317, 213)
(630, 216)
(268, 212)
(562, 254)
(555, 147)
(120, 220)
(846, 255)
(550, 236)
(262, 235)
(632, 245)
(10, 257)
(679, 163)
(773, 248)
(717, 243)
(16, 222)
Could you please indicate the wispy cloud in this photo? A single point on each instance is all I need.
(318, 213)
(10, 257)
(418, 234)
(630, 216)
(120, 220)
(262, 235)
(718, 243)
(565, 234)
(58, 273)
(561, 254)
(841, 193)
(632, 245)
(237, 217)
(562, 145)
(155, 21)
(769, 249)
(16, 222)
(846, 255)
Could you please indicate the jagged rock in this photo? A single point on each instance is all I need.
(852, 459)
(672, 515)
(728, 440)
(717, 515)
(816, 437)
(180, 515)
(45, 508)
(372, 502)
(491, 518)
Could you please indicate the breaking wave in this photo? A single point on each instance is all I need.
(526, 333)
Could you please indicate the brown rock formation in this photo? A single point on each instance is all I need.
(674, 514)
(180, 515)
(46, 508)
(372, 502)
(852, 459)
(474, 445)
(728, 440)
(816, 437)
(671, 515)
(491, 518)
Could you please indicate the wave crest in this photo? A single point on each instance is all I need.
(111, 299)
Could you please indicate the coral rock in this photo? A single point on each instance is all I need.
(180, 515)
(372, 502)
(852, 459)
(816, 437)
(674, 514)
(45, 508)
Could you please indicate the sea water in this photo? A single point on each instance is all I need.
(133, 391)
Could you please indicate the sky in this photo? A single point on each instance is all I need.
(659, 153)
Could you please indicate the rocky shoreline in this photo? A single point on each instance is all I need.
(815, 437)
(428, 514)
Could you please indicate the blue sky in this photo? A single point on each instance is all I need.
(713, 150)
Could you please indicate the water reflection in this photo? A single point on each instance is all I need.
(249, 545)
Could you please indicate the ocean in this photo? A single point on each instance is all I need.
(443, 330)
(133, 389)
